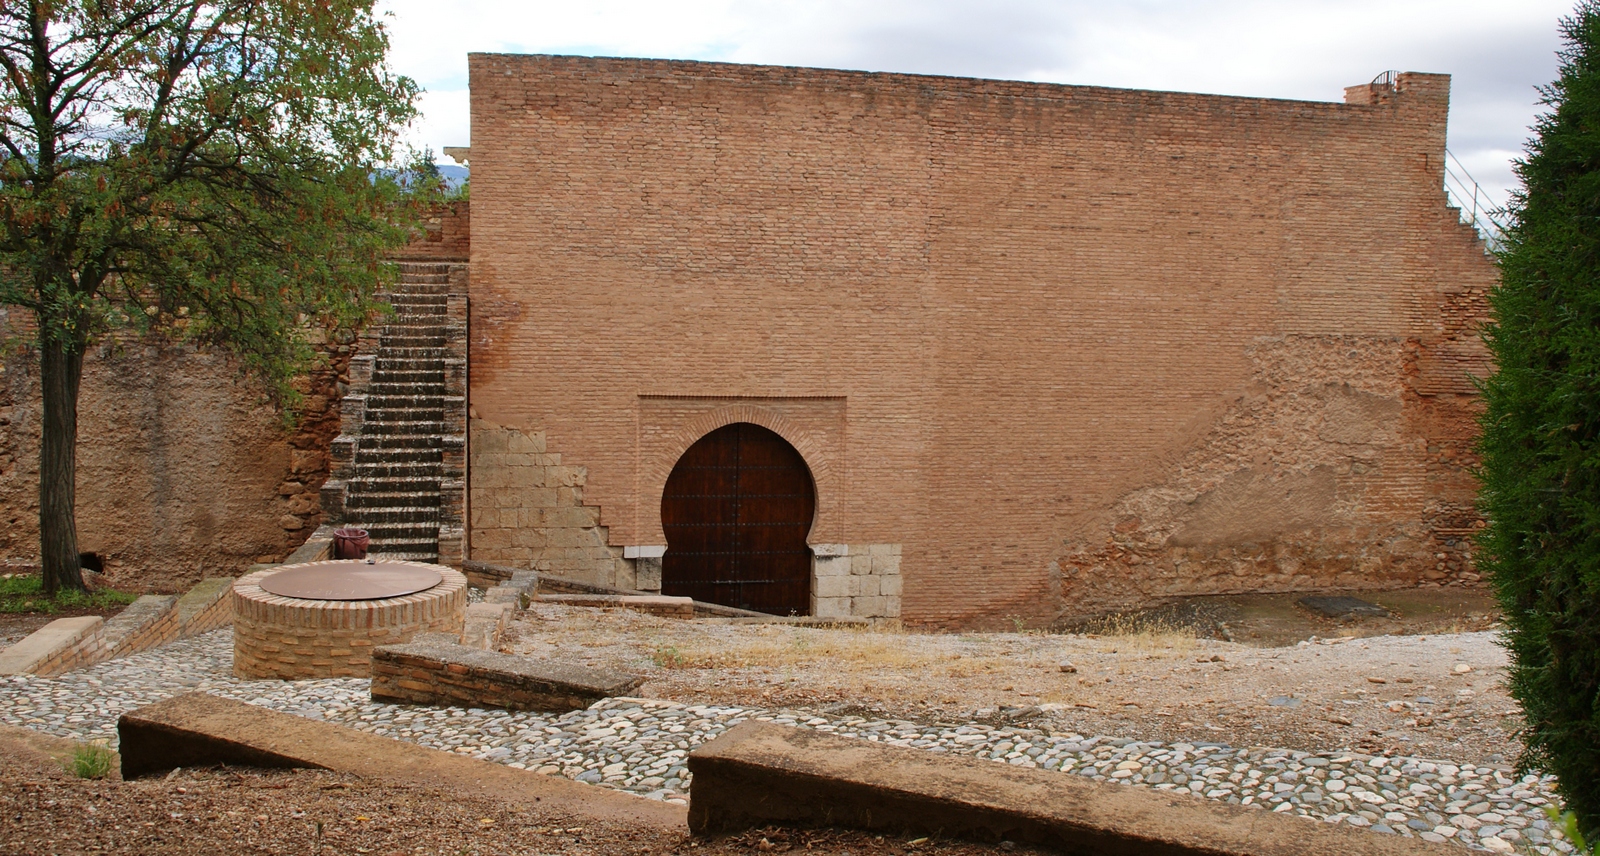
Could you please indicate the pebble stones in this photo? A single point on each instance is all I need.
(641, 745)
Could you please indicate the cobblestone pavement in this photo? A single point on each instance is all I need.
(640, 745)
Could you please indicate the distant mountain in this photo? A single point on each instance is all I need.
(455, 175)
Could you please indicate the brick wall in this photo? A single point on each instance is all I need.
(445, 235)
(1079, 347)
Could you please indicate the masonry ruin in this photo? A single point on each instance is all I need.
(1045, 350)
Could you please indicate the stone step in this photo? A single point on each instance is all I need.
(387, 341)
(382, 499)
(405, 387)
(409, 362)
(396, 470)
(415, 487)
(389, 400)
(414, 300)
(402, 556)
(401, 442)
(398, 412)
(405, 536)
(403, 429)
(376, 515)
(390, 455)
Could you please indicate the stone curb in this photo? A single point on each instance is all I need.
(198, 730)
(757, 774)
(446, 674)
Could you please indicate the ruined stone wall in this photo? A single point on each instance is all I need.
(1072, 348)
(184, 469)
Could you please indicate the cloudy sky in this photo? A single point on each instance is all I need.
(1497, 50)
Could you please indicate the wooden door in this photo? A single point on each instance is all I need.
(737, 510)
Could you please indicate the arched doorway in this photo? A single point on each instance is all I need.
(736, 510)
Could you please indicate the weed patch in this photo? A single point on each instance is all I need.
(90, 761)
(25, 593)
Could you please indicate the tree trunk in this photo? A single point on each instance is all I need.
(61, 368)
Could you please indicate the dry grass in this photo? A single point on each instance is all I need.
(1124, 633)
(779, 647)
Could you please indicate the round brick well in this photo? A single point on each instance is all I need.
(275, 636)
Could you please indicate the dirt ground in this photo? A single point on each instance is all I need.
(45, 810)
(1435, 694)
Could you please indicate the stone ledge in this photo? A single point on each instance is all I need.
(47, 642)
(447, 674)
(198, 730)
(655, 604)
(205, 607)
(129, 631)
(757, 774)
(316, 548)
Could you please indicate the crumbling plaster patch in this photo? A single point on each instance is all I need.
(1308, 478)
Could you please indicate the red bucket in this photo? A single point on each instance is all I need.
(350, 543)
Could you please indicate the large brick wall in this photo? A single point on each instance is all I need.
(1071, 348)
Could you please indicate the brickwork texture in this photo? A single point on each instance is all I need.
(293, 638)
(1076, 348)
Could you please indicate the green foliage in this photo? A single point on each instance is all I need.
(211, 171)
(1541, 430)
(90, 761)
(26, 594)
(1567, 822)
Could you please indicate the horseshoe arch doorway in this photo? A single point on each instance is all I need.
(736, 512)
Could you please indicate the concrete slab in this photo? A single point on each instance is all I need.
(23, 657)
(445, 674)
(199, 730)
(758, 774)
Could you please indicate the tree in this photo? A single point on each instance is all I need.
(213, 170)
(1541, 429)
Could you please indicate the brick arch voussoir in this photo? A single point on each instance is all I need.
(689, 433)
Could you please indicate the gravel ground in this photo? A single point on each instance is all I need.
(1099, 707)
(1393, 695)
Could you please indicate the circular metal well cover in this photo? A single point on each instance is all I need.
(351, 580)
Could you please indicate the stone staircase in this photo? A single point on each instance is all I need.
(398, 466)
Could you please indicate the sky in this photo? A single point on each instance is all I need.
(1498, 51)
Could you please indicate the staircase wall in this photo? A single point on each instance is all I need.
(359, 424)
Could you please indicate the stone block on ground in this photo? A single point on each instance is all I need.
(485, 624)
(198, 730)
(445, 674)
(758, 774)
(668, 607)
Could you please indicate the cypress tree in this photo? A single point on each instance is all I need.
(1540, 444)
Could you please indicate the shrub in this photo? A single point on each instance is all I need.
(1541, 430)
